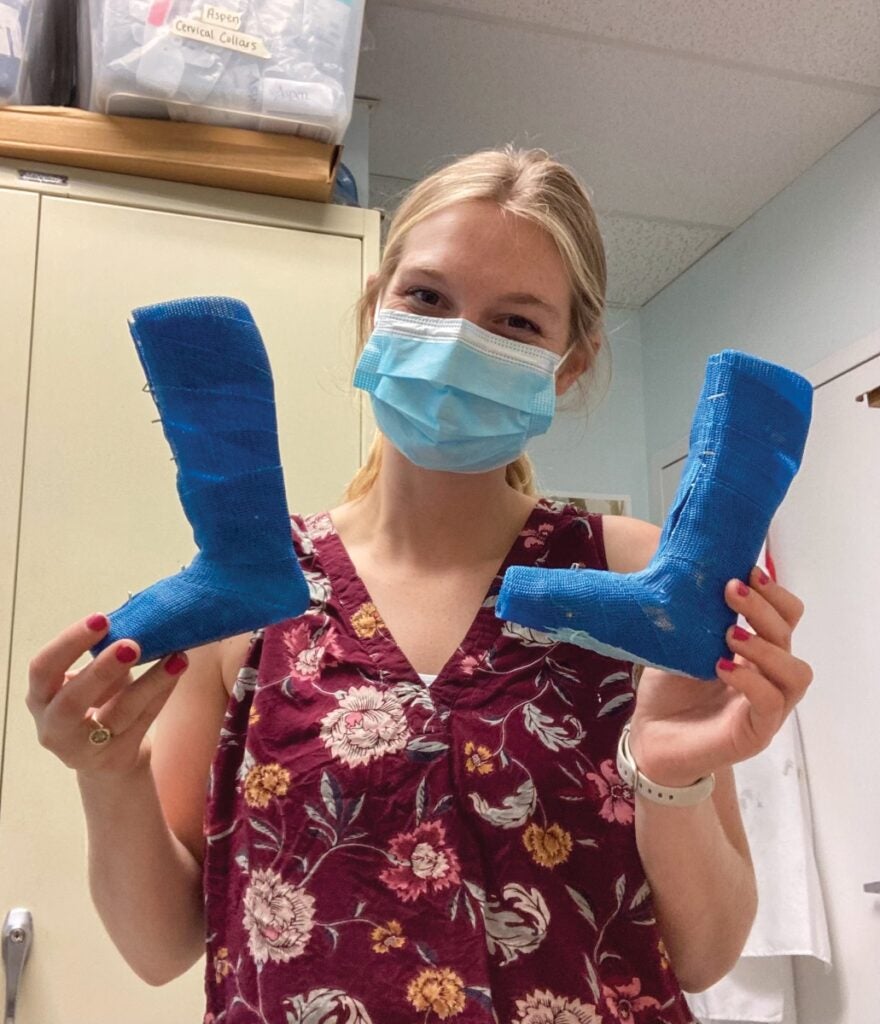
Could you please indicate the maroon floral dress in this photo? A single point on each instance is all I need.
(381, 850)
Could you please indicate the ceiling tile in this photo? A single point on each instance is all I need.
(654, 135)
(832, 39)
(646, 255)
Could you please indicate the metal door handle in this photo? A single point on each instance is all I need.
(18, 934)
(872, 887)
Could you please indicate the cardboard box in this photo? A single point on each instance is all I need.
(199, 154)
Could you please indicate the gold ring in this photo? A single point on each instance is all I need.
(100, 734)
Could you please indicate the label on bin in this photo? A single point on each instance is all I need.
(281, 96)
(220, 16)
(214, 35)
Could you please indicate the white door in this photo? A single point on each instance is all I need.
(100, 516)
(825, 542)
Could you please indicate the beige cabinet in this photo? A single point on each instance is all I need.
(89, 509)
(19, 215)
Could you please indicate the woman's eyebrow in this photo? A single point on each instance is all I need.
(424, 272)
(527, 299)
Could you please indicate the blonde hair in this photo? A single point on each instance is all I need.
(531, 184)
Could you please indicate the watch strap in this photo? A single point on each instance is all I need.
(671, 796)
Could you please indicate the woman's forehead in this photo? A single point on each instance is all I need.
(480, 220)
(478, 239)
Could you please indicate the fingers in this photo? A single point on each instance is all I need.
(788, 605)
(47, 670)
(88, 688)
(142, 699)
(759, 717)
(770, 609)
(64, 728)
(768, 675)
(790, 675)
(62, 701)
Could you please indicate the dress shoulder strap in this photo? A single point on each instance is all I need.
(566, 535)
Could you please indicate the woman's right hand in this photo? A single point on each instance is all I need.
(62, 701)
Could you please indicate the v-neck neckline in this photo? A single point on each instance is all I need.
(365, 617)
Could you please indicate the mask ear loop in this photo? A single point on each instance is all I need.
(561, 362)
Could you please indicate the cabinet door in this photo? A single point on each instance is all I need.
(19, 213)
(101, 517)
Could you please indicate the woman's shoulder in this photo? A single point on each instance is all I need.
(629, 543)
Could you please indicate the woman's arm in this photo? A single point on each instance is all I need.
(145, 839)
(145, 884)
(696, 859)
(698, 864)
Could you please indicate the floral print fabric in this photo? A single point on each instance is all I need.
(385, 851)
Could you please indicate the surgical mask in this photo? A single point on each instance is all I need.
(451, 396)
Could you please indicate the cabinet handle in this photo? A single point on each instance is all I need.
(872, 887)
(18, 934)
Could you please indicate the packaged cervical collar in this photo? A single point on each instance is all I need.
(35, 52)
(269, 65)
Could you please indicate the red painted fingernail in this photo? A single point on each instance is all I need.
(763, 578)
(97, 622)
(176, 664)
(727, 666)
(125, 654)
(740, 634)
(742, 590)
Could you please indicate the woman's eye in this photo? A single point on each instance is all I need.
(520, 323)
(425, 296)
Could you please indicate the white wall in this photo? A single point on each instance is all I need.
(603, 453)
(795, 283)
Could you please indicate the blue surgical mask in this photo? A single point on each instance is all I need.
(451, 396)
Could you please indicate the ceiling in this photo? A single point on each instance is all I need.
(682, 118)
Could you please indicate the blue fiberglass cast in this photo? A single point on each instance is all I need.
(209, 375)
(746, 443)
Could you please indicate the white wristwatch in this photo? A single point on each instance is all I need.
(672, 796)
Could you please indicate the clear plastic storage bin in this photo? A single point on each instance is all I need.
(36, 52)
(271, 65)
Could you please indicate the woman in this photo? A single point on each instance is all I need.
(414, 811)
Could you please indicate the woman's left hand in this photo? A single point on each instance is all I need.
(684, 729)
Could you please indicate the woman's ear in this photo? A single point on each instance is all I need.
(575, 365)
